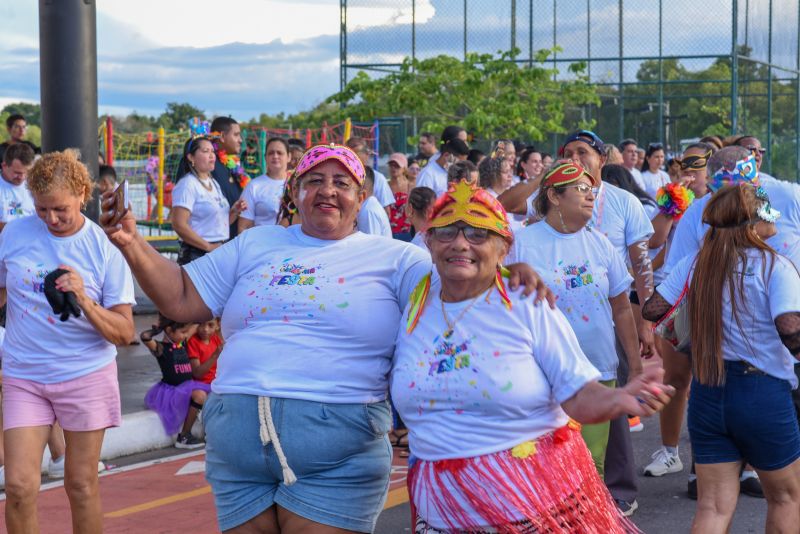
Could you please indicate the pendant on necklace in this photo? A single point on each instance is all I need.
(448, 333)
(230, 179)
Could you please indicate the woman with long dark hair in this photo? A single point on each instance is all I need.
(201, 215)
(743, 303)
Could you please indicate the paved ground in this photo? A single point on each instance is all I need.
(164, 492)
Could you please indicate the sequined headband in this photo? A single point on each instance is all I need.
(319, 154)
(472, 205)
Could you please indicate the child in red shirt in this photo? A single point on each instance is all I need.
(204, 348)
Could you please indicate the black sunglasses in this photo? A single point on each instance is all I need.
(754, 149)
(448, 234)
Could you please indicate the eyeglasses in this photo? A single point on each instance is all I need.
(583, 189)
(754, 149)
(448, 234)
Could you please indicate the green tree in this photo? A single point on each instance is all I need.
(178, 114)
(491, 96)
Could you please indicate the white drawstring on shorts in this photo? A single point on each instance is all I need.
(270, 435)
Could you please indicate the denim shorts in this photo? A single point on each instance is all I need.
(750, 417)
(340, 454)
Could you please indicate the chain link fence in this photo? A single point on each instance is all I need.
(667, 72)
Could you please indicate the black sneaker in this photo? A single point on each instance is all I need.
(691, 489)
(627, 508)
(188, 441)
(751, 486)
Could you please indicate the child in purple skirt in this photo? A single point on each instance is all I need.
(177, 398)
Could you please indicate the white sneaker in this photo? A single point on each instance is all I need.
(663, 463)
(2, 477)
(55, 468)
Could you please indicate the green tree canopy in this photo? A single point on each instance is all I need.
(178, 114)
(491, 96)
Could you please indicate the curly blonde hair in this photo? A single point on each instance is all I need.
(61, 171)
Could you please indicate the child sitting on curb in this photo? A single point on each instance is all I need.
(177, 398)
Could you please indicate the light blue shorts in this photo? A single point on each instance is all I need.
(340, 454)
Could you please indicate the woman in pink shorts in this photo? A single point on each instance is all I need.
(60, 367)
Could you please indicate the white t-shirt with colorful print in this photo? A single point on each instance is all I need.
(16, 201)
(619, 216)
(263, 196)
(306, 318)
(583, 271)
(497, 381)
(38, 346)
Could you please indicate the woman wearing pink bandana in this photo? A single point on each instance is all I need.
(297, 421)
(478, 360)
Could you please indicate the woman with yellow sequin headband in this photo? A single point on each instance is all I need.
(478, 360)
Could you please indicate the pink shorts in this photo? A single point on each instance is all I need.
(89, 402)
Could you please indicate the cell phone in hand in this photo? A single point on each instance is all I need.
(121, 202)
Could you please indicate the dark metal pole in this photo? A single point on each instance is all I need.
(414, 31)
(530, 33)
(621, 134)
(769, 94)
(342, 45)
(465, 30)
(661, 74)
(68, 78)
(735, 68)
(513, 24)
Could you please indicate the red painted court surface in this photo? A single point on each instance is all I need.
(170, 495)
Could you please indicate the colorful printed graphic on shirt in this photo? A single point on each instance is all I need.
(37, 280)
(15, 209)
(576, 276)
(291, 274)
(449, 357)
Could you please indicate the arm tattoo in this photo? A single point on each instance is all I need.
(655, 308)
(788, 326)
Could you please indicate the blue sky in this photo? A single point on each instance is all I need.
(283, 55)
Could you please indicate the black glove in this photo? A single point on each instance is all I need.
(62, 302)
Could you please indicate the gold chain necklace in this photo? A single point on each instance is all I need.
(207, 185)
(451, 326)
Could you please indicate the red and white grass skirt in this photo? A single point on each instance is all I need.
(546, 485)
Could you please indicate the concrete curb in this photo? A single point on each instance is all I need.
(139, 432)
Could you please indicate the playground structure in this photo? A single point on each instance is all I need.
(149, 161)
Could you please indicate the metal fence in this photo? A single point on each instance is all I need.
(665, 71)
